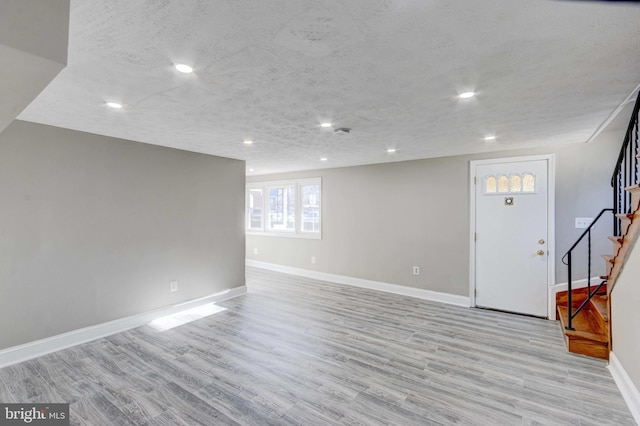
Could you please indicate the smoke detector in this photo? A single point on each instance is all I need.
(342, 130)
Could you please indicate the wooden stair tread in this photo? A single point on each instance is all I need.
(586, 326)
(609, 257)
(579, 294)
(584, 290)
(625, 216)
(616, 239)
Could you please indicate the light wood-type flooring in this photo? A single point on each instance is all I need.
(306, 352)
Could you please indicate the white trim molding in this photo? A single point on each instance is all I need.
(451, 299)
(629, 391)
(41, 347)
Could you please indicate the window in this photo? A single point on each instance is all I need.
(311, 208)
(515, 183)
(529, 182)
(491, 184)
(285, 208)
(255, 205)
(282, 208)
(503, 184)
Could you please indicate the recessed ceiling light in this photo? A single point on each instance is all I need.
(251, 170)
(489, 138)
(325, 124)
(323, 159)
(248, 142)
(466, 95)
(114, 105)
(391, 150)
(184, 68)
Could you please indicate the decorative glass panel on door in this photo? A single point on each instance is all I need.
(515, 183)
(529, 183)
(490, 185)
(503, 184)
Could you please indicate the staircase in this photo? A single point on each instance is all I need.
(584, 312)
(591, 334)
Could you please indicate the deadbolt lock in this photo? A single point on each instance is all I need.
(540, 252)
(540, 241)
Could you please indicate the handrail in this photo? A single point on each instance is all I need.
(567, 255)
(586, 231)
(636, 109)
(626, 171)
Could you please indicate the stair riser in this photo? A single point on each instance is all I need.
(604, 324)
(616, 246)
(580, 293)
(588, 348)
(625, 222)
(635, 197)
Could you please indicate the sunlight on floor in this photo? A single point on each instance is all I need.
(184, 317)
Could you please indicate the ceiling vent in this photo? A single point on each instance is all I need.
(342, 130)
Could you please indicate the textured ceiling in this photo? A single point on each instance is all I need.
(545, 72)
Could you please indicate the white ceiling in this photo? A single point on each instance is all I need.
(545, 72)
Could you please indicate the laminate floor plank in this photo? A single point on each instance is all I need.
(298, 351)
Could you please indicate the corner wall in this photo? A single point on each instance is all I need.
(94, 228)
(625, 325)
(380, 220)
(34, 37)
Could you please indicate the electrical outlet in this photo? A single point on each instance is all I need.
(313, 259)
(255, 250)
(583, 222)
(416, 270)
(173, 286)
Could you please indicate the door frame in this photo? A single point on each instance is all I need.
(551, 222)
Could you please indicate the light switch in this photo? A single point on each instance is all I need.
(583, 222)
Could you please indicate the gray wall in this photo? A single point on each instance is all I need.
(93, 229)
(33, 50)
(625, 316)
(380, 220)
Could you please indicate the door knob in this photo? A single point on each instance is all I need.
(540, 241)
(540, 252)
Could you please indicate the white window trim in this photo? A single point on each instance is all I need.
(295, 233)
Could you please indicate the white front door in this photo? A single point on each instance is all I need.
(511, 236)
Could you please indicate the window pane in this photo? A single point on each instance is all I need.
(503, 184)
(282, 208)
(529, 183)
(491, 185)
(311, 208)
(516, 183)
(255, 208)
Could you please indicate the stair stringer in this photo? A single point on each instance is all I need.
(629, 239)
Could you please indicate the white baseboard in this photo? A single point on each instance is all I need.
(38, 348)
(419, 293)
(575, 284)
(629, 391)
